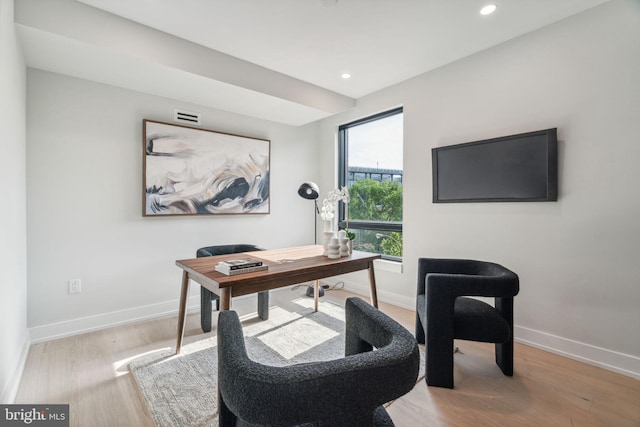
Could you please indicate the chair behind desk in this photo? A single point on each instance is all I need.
(206, 296)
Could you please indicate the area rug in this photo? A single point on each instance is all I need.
(182, 390)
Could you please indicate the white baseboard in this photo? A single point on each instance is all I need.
(360, 289)
(83, 325)
(11, 390)
(621, 363)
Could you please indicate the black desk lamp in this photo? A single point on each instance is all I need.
(310, 191)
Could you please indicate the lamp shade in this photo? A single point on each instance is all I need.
(309, 190)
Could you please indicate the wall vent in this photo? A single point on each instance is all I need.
(188, 117)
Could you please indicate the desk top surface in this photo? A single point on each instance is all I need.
(290, 265)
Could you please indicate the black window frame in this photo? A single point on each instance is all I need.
(343, 179)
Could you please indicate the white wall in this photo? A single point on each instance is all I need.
(85, 195)
(13, 236)
(577, 258)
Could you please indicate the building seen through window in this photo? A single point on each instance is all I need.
(355, 173)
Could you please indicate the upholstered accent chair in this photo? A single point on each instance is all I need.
(445, 312)
(349, 391)
(206, 296)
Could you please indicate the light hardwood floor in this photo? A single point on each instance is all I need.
(90, 373)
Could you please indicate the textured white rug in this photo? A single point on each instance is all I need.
(182, 390)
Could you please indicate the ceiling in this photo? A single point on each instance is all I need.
(278, 60)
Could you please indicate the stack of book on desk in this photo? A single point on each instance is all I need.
(238, 266)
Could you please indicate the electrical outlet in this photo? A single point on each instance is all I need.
(75, 286)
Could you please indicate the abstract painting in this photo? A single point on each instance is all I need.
(191, 171)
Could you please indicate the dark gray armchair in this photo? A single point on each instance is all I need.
(444, 312)
(206, 296)
(345, 392)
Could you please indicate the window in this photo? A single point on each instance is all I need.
(370, 164)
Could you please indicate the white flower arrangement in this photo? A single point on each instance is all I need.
(329, 203)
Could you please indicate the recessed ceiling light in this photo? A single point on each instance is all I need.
(488, 9)
(346, 76)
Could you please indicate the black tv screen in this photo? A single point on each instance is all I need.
(516, 168)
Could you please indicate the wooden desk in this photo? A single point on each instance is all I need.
(288, 266)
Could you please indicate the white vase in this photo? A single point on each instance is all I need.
(325, 243)
(328, 225)
(334, 248)
(344, 248)
(343, 239)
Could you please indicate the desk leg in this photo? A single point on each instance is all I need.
(372, 283)
(316, 294)
(182, 311)
(225, 299)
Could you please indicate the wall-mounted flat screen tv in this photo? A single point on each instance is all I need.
(516, 168)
